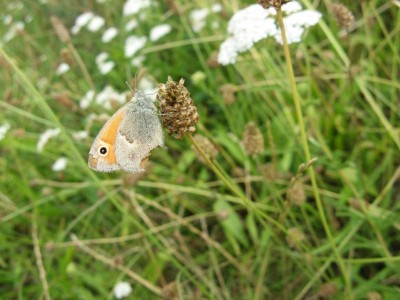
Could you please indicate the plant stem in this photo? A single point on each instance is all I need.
(260, 214)
(307, 154)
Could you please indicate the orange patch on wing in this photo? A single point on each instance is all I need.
(109, 136)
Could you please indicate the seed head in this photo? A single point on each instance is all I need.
(65, 100)
(61, 31)
(344, 17)
(294, 237)
(212, 60)
(269, 172)
(205, 144)
(327, 290)
(178, 113)
(296, 194)
(228, 93)
(272, 3)
(66, 56)
(253, 140)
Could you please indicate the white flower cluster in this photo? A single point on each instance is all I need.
(254, 23)
(62, 68)
(122, 289)
(13, 31)
(60, 164)
(103, 64)
(45, 137)
(3, 130)
(89, 20)
(132, 7)
(133, 43)
(106, 98)
(109, 34)
(199, 16)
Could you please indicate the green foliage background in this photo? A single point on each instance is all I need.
(180, 228)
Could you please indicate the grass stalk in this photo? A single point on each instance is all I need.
(306, 149)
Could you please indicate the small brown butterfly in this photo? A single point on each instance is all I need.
(126, 140)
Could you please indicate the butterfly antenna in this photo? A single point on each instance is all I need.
(127, 83)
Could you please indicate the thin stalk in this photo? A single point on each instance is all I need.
(235, 189)
(81, 64)
(307, 154)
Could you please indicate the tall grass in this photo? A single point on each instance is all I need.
(313, 215)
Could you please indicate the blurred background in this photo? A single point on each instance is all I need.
(256, 229)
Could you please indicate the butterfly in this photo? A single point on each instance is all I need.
(126, 140)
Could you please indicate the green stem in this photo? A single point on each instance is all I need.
(307, 154)
(235, 189)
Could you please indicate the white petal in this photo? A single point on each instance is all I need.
(133, 44)
(132, 7)
(106, 67)
(216, 8)
(122, 289)
(227, 52)
(62, 68)
(102, 57)
(109, 34)
(159, 31)
(132, 24)
(3, 130)
(291, 7)
(45, 137)
(83, 19)
(96, 23)
(197, 18)
(60, 164)
(87, 99)
(137, 61)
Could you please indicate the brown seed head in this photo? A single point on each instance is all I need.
(272, 3)
(296, 194)
(66, 56)
(294, 237)
(374, 295)
(228, 92)
(212, 60)
(253, 140)
(178, 113)
(268, 171)
(65, 100)
(327, 290)
(344, 17)
(205, 144)
(61, 31)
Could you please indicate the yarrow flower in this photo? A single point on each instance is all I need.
(45, 137)
(254, 23)
(15, 28)
(96, 23)
(62, 69)
(81, 21)
(87, 99)
(103, 65)
(159, 31)
(3, 130)
(122, 289)
(198, 16)
(132, 7)
(108, 96)
(60, 164)
(133, 44)
(109, 34)
(88, 19)
(132, 24)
